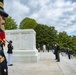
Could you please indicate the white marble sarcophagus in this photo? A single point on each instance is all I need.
(24, 42)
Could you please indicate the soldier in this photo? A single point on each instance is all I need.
(10, 52)
(3, 61)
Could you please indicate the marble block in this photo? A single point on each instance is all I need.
(24, 42)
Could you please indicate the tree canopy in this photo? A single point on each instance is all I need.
(10, 24)
(45, 34)
(28, 23)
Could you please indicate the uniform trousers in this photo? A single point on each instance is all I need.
(9, 58)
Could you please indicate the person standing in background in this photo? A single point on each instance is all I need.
(69, 53)
(44, 48)
(10, 52)
(57, 48)
(3, 61)
(48, 47)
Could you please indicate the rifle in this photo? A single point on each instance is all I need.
(7, 41)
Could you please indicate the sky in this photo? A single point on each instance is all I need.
(58, 13)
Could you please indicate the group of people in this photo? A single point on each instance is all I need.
(44, 47)
(67, 52)
(56, 51)
(3, 61)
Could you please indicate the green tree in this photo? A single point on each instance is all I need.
(28, 23)
(10, 24)
(45, 34)
(52, 34)
(63, 39)
(41, 35)
(73, 44)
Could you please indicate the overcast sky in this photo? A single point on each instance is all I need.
(58, 13)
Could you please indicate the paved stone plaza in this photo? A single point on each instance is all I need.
(45, 66)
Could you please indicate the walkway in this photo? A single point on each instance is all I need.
(45, 66)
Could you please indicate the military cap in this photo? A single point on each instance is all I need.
(2, 8)
(10, 41)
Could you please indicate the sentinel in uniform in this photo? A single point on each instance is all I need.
(3, 61)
